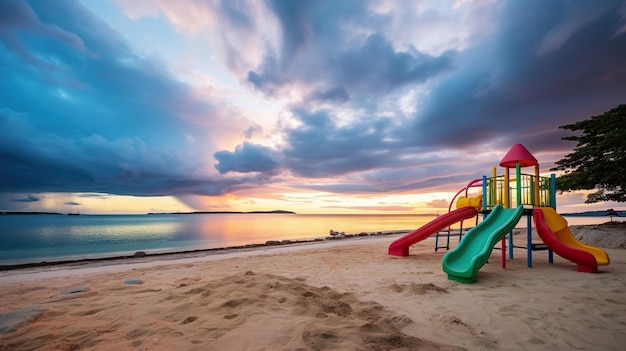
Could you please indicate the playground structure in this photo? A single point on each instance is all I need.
(534, 196)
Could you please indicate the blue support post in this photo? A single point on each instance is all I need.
(511, 245)
(485, 193)
(553, 191)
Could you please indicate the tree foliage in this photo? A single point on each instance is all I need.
(599, 159)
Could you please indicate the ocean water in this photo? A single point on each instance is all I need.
(37, 238)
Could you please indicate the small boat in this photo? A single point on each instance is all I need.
(77, 213)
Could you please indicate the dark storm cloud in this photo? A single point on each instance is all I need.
(318, 48)
(373, 68)
(543, 65)
(547, 64)
(247, 158)
(35, 160)
(320, 148)
(80, 111)
(378, 68)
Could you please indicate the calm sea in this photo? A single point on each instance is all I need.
(37, 238)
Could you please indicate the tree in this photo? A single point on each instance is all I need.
(611, 212)
(599, 158)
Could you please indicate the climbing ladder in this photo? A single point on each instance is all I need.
(447, 233)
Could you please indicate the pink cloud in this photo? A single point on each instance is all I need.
(190, 16)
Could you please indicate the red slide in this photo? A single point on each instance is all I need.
(400, 247)
(568, 248)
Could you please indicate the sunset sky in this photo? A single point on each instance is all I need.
(111, 106)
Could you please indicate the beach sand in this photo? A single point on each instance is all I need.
(340, 294)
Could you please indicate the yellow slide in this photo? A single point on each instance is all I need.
(558, 226)
(476, 202)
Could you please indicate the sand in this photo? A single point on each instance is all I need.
(341, 295)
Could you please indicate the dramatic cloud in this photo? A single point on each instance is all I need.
(208, 98)
(325, 44)
(510, 85)
(81, 111)
(247, 158)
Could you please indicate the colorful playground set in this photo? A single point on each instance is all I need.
(534, 196)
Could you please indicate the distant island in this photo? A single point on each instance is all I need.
(618, 213)
(30, 213)
(225, 212)
(150, 213)
(602, 213)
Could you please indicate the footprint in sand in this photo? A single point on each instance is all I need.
(419, 289)
(14, 320)
(74, 293)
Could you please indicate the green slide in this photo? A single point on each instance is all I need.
(462, 263)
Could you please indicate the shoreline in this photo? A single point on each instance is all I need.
(137, 256)
(131, 263)
(334, 236)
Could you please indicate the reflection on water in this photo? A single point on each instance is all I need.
(35, 238)
(28, 238)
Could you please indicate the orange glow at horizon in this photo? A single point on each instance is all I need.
(299, 202)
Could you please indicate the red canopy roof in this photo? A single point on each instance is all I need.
(518, 154)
